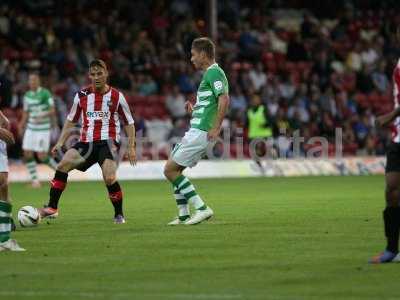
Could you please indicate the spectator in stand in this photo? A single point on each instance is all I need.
(178, 131)
(298, 111)
(175, 103)
(238, 104)
(296, 50)
(147, 53)
(361, 128)
(257, 77)
(380, 79)
(286, 87)
(364, 80)
(353, 60)
(369, 55)
(259, 129)
(148, 86)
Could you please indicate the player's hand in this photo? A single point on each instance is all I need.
(213, 134)
(7, 136)
(132, 155)
(189, 107)
(57, 147)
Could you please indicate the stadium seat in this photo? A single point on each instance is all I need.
(349, 82)
(271, 66)
(27, 55)
(374, 99)
(350, 149)
(11, 54)
(362, 100)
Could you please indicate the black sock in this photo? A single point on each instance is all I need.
(391, 217)
(115, 195)
(57, 187)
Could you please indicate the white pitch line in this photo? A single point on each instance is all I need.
(115, 295)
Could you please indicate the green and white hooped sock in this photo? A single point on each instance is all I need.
(186, 188)
(31, 165)
(5, 221)
(183, 206)
(50, 162)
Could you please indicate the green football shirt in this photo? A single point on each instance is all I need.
(212, 85)
(38, 104)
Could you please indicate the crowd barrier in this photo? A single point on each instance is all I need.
(153, 170)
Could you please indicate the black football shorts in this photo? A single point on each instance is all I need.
(393, 158)
(96, 152)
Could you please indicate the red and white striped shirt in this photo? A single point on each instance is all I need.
(101, 114)
(396, 97)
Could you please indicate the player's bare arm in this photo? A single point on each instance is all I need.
(223, 104)
(189, 107)
(388, 118)
(53, 116)
(130, 132)
(4, 122)
(68, 125)
(6, 136)
(22, 123)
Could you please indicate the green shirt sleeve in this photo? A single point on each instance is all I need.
(218, 82)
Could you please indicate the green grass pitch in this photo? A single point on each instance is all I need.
(271, 238)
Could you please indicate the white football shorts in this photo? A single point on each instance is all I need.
(192, 148)
(3, 157)
(36, 140)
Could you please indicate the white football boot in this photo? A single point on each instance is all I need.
(10, 245)
(396, 259)
(176, 221)
(200, 216)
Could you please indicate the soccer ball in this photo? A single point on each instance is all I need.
(28, 216)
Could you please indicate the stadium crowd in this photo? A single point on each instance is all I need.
(313, 73)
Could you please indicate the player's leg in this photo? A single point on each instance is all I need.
(43, 147)
(260, 152)
(28, 146)
(30, 162)
(391, 213)
(109, 170)
(391, 218)
(183, 186)
(6, 243)
(5, 209)
(71, 159)
(186, 154)
(171, 171)
(45, 158)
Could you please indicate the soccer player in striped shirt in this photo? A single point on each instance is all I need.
(100, 108)
(38, 118)
(207, 115)
(391, 213)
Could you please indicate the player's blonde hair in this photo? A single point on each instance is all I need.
(206, 45)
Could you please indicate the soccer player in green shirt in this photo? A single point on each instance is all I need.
(37, 120)
(6, 222)
(212, 102)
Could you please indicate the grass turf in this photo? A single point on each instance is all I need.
(278, 238)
